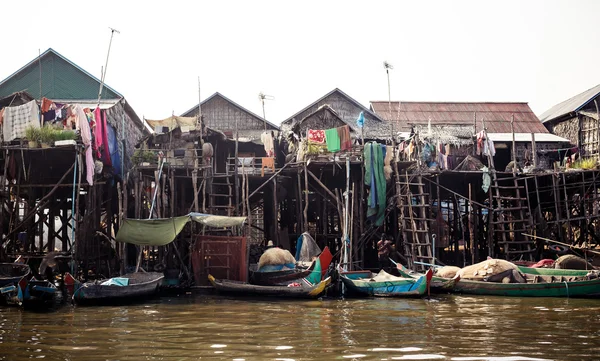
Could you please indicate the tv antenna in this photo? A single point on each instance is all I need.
(103, 75)
(262, 97)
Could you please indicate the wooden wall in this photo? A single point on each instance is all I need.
(345, 108)
(221, 114)
(117, 116)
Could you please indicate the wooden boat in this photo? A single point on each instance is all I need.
(276, 278)
(297, 290)
(39, 294)
(541, 282)
(139, 286)
(287, 275)
(11, 274)
(385, 284)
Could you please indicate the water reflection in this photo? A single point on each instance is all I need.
(190, 328)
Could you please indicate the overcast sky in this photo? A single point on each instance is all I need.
(540, 52)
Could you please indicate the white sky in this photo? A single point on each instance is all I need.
(541, 52)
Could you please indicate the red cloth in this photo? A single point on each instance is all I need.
(345, 140)
(316, 136)
(46, 104)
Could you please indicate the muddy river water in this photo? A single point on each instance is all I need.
(197, 327)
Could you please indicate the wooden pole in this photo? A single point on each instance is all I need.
(514, 146)
(299, 221)
(305, 198)
(269, 180)
(275, 214)
(598, 125)
(471, 230)
(534, 150)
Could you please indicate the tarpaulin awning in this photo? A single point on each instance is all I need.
(173, 122)
(162, 231)
(217, 221)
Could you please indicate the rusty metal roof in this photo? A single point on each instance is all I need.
(496, 115)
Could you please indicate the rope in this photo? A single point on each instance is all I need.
(567, 286)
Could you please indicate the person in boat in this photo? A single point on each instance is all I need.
(385, 248)
(269, 245)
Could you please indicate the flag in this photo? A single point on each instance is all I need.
(361, 120)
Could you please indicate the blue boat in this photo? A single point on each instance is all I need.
(384, 284)
(12, 275)
(39, 294)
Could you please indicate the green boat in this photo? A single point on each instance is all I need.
(541, 282)
(384, 284)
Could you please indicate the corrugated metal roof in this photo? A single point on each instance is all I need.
(61, 79)
(496, 115)
(570, 105)
(526, 137)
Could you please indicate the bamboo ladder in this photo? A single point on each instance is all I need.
(418, 246)
(509, 202)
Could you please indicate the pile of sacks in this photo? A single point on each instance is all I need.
(490, 270)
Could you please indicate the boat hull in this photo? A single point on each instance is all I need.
(246, 289)
(142, 286)
(276, 278)
(398, 287)
(585, 289)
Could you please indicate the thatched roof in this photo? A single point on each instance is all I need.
(457, 135)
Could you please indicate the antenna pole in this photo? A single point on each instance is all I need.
(40, 65)
(199, 121)
(387, 67)
(103, 75)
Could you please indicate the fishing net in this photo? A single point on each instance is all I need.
(275, 256)
(308, 248)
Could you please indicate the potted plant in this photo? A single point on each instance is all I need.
(33, 136)
(65, 137)
(47, 136)
(143, 157)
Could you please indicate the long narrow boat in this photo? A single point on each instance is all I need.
(540, 283)
(385, 284)
(283, 275)
(296, 290)
(11, 274)
(127, 288)
(276, 277)
(40, 294)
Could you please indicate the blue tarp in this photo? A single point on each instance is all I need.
(113, 148)
(116, 281)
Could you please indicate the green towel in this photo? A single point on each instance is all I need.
(333, 140)
(375, 179)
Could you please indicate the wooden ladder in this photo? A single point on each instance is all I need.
(512, 217)
(416, 221)
(221, 195)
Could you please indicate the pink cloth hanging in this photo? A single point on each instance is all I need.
(105, 148)
(98, 138)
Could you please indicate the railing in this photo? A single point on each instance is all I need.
(251, 165)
